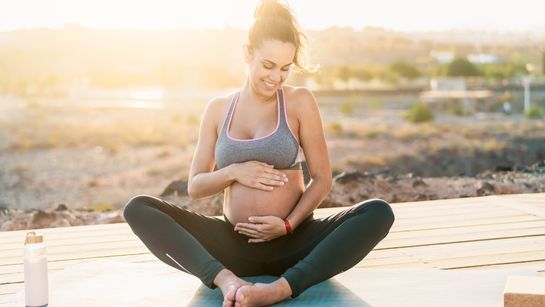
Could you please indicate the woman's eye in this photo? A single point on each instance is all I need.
(267, 67)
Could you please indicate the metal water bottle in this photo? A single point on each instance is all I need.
(35, 267)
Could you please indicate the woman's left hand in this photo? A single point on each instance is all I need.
(262, 228)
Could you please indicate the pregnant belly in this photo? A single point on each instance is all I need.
(241, 202)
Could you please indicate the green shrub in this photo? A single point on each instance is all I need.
(102, 207)
(419, 113)
(534, 112)
(192, 119)
(153, 172)
(336, 128)
(405, 70)
(93, 183)
(375, 104)
(456, 110)
(347, 107)
(462, 67)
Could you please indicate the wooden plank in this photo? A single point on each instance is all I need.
(75, 249)
(70, 229)
(494, 259)
(17, 282)
(6, 291)
(116, 251)
(525, 196)
(18, 268)
(490, 259)
(425, 210)
(464, 230)
(539, 266)
(463, 223)
(57, 242)
(440, 202)
(17, 275)
(19, 238)
(454, 238)
(457, 213)
(522, 206)
(475, 248)
(457, 218)
(401, 265)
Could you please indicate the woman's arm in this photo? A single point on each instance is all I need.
(203, 181)
(312, 139)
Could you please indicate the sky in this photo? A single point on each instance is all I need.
(400, 15)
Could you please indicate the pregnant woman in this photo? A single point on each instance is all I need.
(250, 145)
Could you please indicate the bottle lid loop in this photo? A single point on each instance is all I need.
(33, 237)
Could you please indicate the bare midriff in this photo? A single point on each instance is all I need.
(241, 202)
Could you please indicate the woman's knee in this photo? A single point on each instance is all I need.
(384, 210)
(134, 207)
(380, 208)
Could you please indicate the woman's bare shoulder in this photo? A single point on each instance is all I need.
(301, 97)
(217, 107)
(219, 102)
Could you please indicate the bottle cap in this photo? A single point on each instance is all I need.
(32, 237)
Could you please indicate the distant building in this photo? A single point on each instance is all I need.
(482, 58)
(442, 57)
(449, 92)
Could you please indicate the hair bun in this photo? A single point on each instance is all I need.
(273, 9)
(275, 20)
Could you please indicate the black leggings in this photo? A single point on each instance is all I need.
(200, 245)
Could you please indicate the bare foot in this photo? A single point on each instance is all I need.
(261, 294)
(229, 283)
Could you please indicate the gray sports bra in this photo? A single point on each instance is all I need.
(279, 148)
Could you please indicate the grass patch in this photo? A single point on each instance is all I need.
(21, 167)
(419, 113)
(534, 112)
(93, 183)
(163, 153)
(102, 207)
(154, 172)
(336, 129)
(47, 129)
(348, 106)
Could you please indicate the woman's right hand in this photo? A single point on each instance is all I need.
(258, 175)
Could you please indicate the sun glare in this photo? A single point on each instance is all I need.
(422, 15)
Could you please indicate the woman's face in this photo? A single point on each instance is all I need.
(269, 65)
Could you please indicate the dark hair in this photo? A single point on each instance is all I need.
(274, 20)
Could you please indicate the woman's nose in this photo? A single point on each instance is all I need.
(275, 76)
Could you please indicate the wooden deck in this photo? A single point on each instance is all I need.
(491, 232)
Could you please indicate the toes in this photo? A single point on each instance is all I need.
(230, 296)
(239, 296)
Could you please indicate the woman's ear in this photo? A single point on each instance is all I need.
(248, 53)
